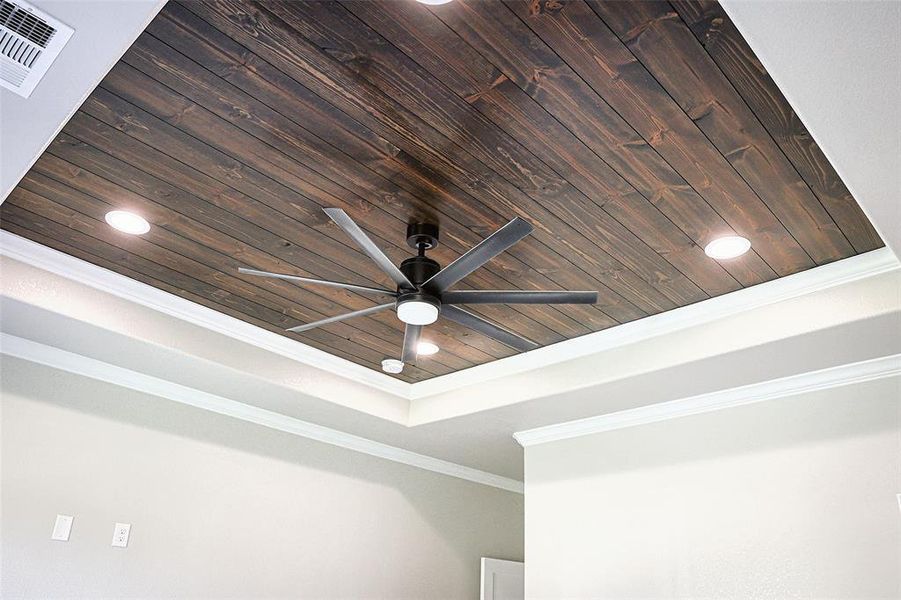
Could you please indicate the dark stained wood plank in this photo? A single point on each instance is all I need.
(167, 168)
(220, 54)
(171, 250)
(541, 73)
(197, 161)
(35, 228)
(127, 83)
(143, 256)
(222, 212)
(187, 237)
(440, 51)
(725, 44)
(284, 97)
(287, 237)
(630, 93)
(604, 144)
(655, 33)
(365, 53)
(230, 124)
(400, 203)
(47, 232)
(294, 256)
(272, 39)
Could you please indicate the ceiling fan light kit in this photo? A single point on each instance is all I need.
(420, 310)
(422, 294)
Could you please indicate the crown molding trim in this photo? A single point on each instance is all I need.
(81, 271)
(860, 372)
(840, 272)
(819, 278)
(56, 358)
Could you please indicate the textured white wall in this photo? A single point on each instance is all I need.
(791, 498)
(222, 508)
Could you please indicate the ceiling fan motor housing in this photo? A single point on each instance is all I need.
(418, 270)
(417, 296)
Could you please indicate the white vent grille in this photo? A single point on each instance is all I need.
(29, 42)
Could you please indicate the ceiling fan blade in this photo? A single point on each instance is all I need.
(368, 246)
(411, 343)
(478, 255)
(467, 319)
(518, 297)
(347, 286)
(350, 315)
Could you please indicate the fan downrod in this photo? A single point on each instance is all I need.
(420, 268)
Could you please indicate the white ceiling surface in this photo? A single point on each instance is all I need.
(836, 63)
(104, 29)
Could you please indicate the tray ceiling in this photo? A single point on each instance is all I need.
(628, 134)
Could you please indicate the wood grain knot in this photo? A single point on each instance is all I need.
(631, 36)
(472, 98)
(541, 7)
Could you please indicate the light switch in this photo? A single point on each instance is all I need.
(62, 528)
(120, 534)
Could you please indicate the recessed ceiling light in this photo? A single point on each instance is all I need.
(433, 2)
(426, 348)
(127, 222)
(417, 312)
(727, 247)
(392, 365)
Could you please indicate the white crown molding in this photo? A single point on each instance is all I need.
(56, 358)
(819, 278)
(812, 381)
(81, 271)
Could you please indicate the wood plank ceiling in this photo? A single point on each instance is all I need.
(629, 134)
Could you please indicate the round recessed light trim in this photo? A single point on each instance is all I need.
(392, 365)
(127, 222)
(426, 348)
(730, 246)
(433, 2)
(416, 312)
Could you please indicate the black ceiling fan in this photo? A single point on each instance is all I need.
(423, 293)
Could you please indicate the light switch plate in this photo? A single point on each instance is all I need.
(62, 528)
(120, 534)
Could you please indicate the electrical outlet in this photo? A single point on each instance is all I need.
(120, 534)
(61, 528)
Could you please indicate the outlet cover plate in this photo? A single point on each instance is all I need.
(62, 528)
(120, 534)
